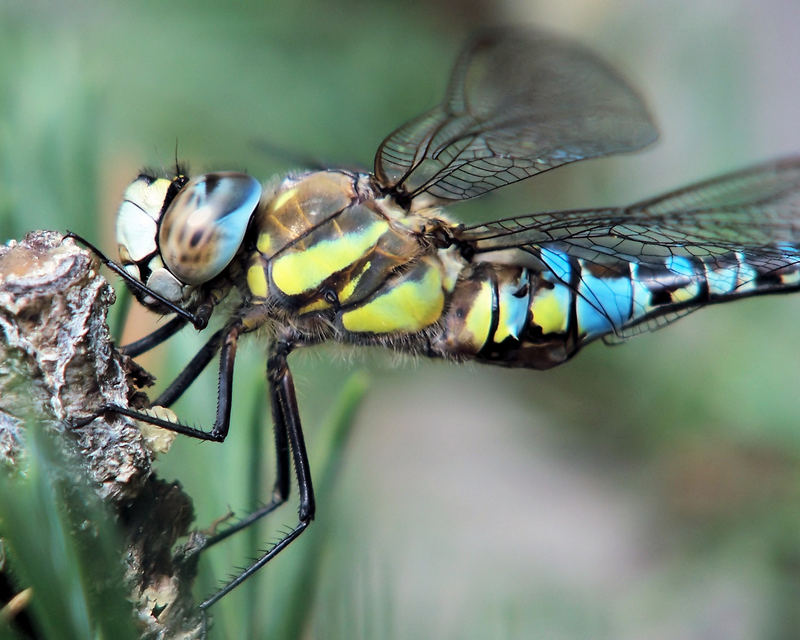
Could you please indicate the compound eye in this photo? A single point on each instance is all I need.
(203, 227)
(137, 219)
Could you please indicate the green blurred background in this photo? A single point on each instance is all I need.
(649, 490)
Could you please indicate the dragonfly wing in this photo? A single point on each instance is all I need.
(731, 232)
(518, 103)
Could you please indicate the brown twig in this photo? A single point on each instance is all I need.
(57, 362)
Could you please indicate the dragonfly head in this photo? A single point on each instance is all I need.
(176, 234)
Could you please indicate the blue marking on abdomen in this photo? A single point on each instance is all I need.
(681, 265)
(746, 274)
(603, 304)
(513, 308)
(721, 281)
(642, 295)
(789, 249)
(558, 263)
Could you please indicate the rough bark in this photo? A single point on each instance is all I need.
(57, 362)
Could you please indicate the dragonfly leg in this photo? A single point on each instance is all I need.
(190, 371)
(282, 388)
(228, 338)
(164, 332)
(280, 491)
(287, 420)
(199, 319)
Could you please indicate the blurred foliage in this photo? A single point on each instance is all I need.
(62, 547)
(643, 491)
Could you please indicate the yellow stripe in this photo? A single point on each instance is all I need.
(317, 305)
(257, 281)
(304, 270)
(264, 243)
(408, 306)
(347, 289)
(280, 200)
(550, 310)
(479, 318)
(686, 293)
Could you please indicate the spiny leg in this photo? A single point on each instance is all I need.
(228, 337)
(287, 418)
(190, 371)
(288, 431)
(280, 378)
(280, 491)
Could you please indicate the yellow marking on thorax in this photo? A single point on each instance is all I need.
(504, 330)
(304, 270)
(408, 306)
(350, 287)
(318, 305)
(257, 281)
(280, 200)
(264, 243)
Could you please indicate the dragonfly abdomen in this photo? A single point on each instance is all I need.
(491, 317)
(685, 283)
(523, 317)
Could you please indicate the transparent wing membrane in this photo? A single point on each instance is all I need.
(648, 325)
(756, 211)
(518, 104)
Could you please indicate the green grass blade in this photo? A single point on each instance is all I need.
(62, 544)
(329, 448)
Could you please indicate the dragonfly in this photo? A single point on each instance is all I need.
(375, 258)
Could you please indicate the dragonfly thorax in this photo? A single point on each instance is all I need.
(324, 243)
